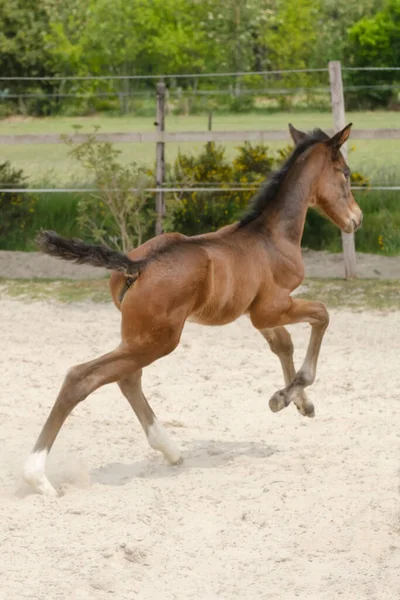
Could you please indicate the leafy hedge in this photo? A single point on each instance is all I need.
(16, 208)
(198, 212)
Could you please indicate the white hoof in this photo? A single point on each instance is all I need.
(34, 474)
(159, 440)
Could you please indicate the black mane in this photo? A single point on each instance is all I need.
(271, 187)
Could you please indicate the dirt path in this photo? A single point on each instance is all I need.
(266, 506)
(26, 265)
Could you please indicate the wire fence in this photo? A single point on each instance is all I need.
(174, 92)
(188, 85)
(190, 75)
(190, 93)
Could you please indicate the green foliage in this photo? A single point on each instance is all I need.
(21, 25)
(126, 37)
(389, 239)
(16, 208)
(254, 160)
(199, 212)
(22, 53)
(196, 212)
(380, 232)
(290, 34)
(121, 211)
(333, 20)
(241, 104)
(56, 211)
(375, 41)
(232, 28)
(142, 37)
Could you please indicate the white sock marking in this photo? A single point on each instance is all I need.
(159, 440)
(34, 473)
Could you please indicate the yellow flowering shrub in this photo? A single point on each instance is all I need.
(198, 212)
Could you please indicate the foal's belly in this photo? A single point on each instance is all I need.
(213, 320)
(212, 314)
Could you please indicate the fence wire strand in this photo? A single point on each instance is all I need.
(187, 75)
(164, 189)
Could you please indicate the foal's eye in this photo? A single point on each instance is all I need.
(346, 173)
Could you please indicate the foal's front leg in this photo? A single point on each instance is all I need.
(314, 313)
(280, 343)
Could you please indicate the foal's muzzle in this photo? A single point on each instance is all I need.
(354, 222)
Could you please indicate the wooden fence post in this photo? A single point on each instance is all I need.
(210, 116)
(160, 158)
(337, 98)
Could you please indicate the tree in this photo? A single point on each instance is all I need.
(22, 23)
(290, 33)
(333, 20)
(22, 53)
(375, 41)
(129, 37)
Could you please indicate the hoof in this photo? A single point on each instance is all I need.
(306, 409)
(41, 485)
(279, 401)
(34, 474)
(176, 461)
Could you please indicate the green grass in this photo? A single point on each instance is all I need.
(50, 161)
(380, 232)
(65, 291)
(57, 212)
(357, 295)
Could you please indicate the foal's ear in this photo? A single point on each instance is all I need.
(297, 136)
(340, 137)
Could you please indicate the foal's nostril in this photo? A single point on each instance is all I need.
(355, 224)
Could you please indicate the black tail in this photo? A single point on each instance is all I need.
(79, 252)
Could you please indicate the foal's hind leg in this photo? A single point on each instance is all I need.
(281, 344)
(131, 387)
(80, 381)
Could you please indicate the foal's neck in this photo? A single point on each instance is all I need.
(286, 215)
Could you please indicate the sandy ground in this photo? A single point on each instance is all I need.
(265, 506)
(317, 264)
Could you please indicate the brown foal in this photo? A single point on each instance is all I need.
(250, 267)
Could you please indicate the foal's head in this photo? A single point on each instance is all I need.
(332, 193)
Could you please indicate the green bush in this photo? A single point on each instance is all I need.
(242, 104)
(6, 108)
(198, 212)
(16, 208)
